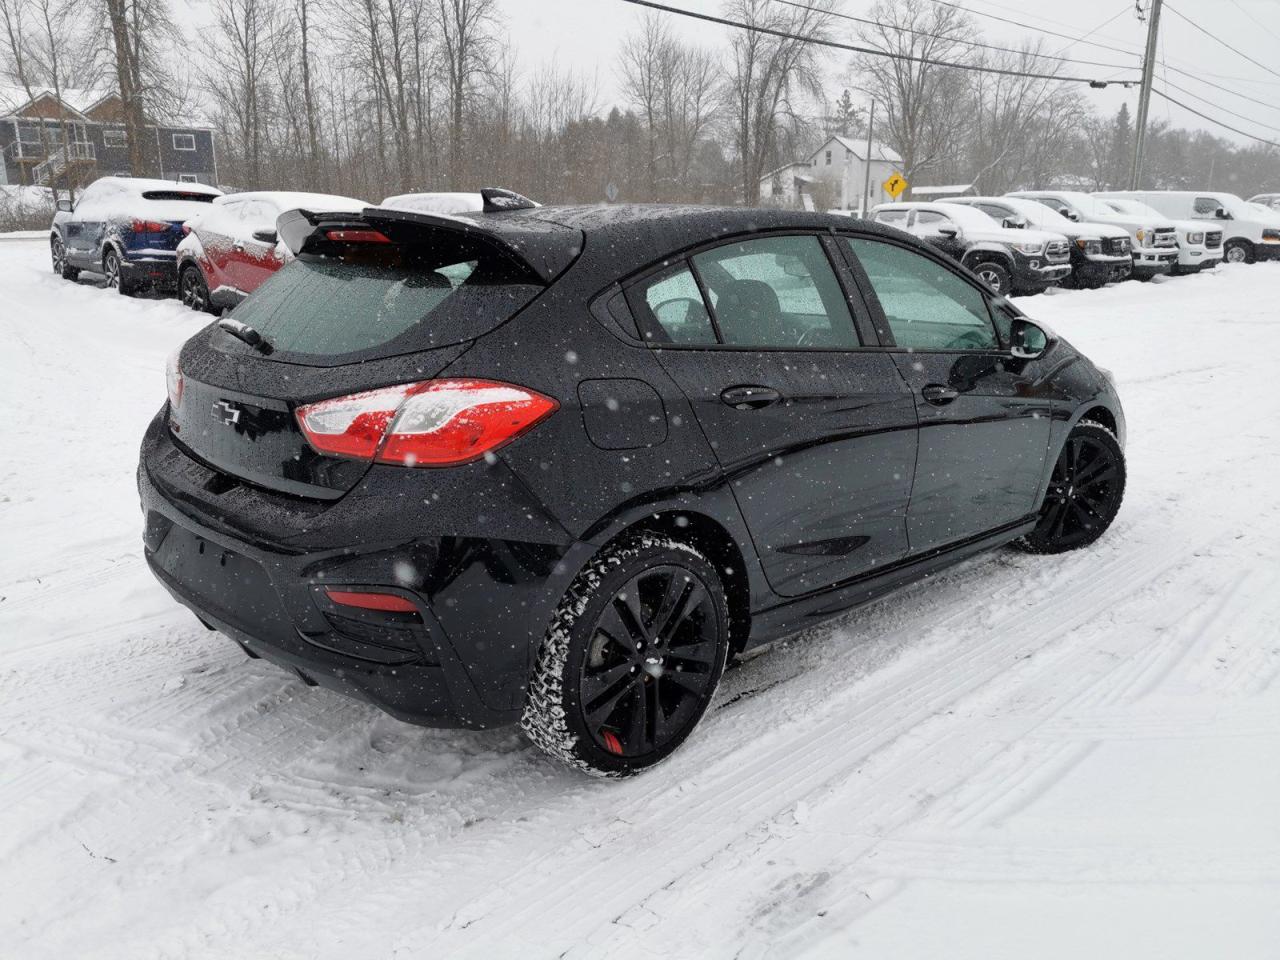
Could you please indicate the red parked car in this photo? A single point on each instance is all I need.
(232, 248)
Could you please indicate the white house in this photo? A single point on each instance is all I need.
(842, 163)
(785, 186)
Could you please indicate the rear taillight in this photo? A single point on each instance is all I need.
(357, 236)
(367, 600)
(435, 423)
(149, 226)
(173, 379)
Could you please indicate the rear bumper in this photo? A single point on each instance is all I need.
(462, 660)
(1267, 251)
(151, 266)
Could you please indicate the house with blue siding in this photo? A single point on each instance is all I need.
(73, 140)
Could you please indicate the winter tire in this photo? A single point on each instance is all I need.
(193, 291)
(995, 276)
(631, 659)
(60, 266)
(1085, 491)
(1238, 251)
(116, 279)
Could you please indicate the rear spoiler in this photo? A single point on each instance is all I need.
(546, 249)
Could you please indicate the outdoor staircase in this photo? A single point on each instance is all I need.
(73, 154)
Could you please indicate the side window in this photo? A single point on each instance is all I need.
(998, 214)
(926, 305)
(674, 304)
(1206, 208)
(894, 218)
(776, 292)
(928, 223)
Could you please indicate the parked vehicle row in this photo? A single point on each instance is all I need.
(1110, 235)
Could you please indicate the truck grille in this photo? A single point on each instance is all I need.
(1165, 237)
(1119, 246)
(1057, 251)
(1213, 239)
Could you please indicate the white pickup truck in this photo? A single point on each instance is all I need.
(1249, 235)
(1155, 244)
(1199, 243)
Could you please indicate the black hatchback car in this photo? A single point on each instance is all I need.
(557, 465)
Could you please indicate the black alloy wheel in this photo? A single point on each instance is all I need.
(1084, 493)
(621, 684)
(193, 291)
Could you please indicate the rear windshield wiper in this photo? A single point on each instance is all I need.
(242, 331)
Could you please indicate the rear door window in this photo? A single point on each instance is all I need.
(776, 293)
(927, 306)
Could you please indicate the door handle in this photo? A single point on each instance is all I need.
(939, 395)
(749, 396)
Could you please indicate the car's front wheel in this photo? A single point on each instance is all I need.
(60, 266)
(1084, 493)
(192, 289)
(1238, 251)
(996, 277)
(631, 659)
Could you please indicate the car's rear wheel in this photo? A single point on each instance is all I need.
(632, 658)
(996, 277)
(192, 289)
(1085, 491)
(59, 253)
(116, 280)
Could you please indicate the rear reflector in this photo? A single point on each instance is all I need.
(434, 423)
(357, 236)
(386, 602)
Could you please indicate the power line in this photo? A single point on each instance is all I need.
(1205, 116)
(941, 36)
(872, 51)
(1217, 86)
(1267, 29)
(1029, 26)
(1217, 106)
(1238, 53)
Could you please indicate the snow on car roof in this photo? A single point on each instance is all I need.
(435, 202)
(136, 186)
(297, 200)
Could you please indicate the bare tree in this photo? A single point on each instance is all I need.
(769, 72)
(468, 45)
(924, 104)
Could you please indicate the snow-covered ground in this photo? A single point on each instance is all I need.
(1025, 758)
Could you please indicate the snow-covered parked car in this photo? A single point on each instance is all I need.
(1009, 261)
(452, 202)
(126, 228)
(1199, 243)
(1249, 233)
(1100, 254)
(232, 246)
(1269, 200)
(1155, 242)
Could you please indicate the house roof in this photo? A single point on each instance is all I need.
(859, 149)
(785, 166)
(77, 99)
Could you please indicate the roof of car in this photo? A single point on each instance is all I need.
(622, 238)
(288, 199)
(145, 184)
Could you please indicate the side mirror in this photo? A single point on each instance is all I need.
(265, 236)
(1013, 223)
(1026, 340)
(949, 232)
(1221, 214)
(1073, 216)
(65, 206)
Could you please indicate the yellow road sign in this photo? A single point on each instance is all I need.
(895, 185)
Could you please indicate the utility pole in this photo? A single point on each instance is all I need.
(1144, 98)
(866, 178)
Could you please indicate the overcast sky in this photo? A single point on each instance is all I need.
(586, 34)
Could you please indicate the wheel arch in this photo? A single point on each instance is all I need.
(712, 538)
(988, 254)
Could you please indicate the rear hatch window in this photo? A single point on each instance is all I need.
(383, 299)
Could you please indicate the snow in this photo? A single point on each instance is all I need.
(110, 198)
(1025, 757)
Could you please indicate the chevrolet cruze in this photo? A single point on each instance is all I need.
(556, 466)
